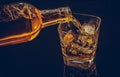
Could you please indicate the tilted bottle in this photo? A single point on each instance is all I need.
(21, 22)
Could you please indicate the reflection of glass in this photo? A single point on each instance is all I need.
(79, 39)
(70, 71)
(21, 22)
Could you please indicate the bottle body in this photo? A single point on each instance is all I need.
(22, 22)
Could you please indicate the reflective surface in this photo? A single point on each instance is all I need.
(80, 72)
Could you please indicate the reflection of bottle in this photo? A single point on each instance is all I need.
(80, 72)
(21, 22)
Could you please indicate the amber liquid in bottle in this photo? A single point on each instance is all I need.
(22, 22)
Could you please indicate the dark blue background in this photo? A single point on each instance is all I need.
(42, 57)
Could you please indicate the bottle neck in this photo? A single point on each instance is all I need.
(55, 16)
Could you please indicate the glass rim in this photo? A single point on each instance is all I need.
(85, 14)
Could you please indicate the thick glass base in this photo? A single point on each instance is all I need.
(79, 64)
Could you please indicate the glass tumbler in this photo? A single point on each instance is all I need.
(78, 39)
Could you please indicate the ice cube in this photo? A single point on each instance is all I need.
(89, 29)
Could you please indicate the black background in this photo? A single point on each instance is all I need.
(42, 57)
